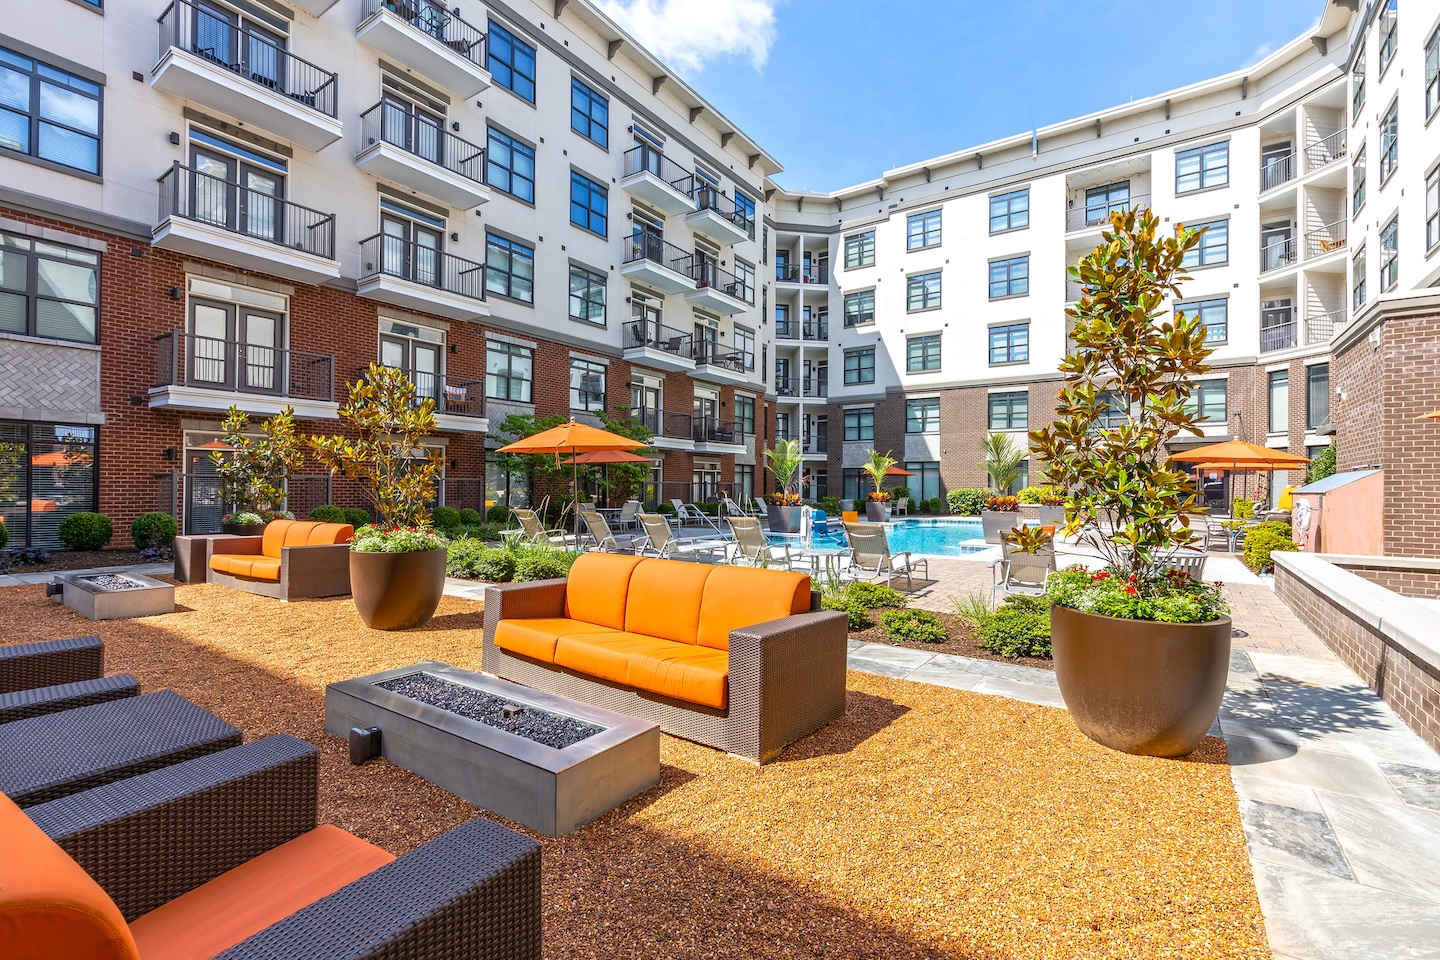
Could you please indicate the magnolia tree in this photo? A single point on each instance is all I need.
(252, 470)
(1126, 395)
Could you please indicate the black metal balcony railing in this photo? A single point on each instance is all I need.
(408, 260)
(186, 360)
(1319, 329)
(1326, 151)
(1279, 336)
(715, 200)
(248, 55)
(707, 273)
(652, 247)
(644, 333)
(711, 353)
(815, 387)
(663, 423)
(818, 443)
(644, 158)
(1277, 171)
(1325, 239)
(418, 136)
(435, 21)
(787, 330)
(712, 430)
(786, 387)
(1096, 212)
(453, 396)
(786, 435)
(818, 329)
(1278, 254)
(243, 210)
(818, 272)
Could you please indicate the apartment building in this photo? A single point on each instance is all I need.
(216, 202)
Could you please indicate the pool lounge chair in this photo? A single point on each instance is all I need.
(752, 549)
(530, 529)
(690, 513)
(660, 541)
(1020, 572)
(902, 505)
(602, 540)
(871, 557)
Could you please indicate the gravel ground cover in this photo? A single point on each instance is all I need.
(926, 823)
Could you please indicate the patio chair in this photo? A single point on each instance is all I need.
(1020, 572)
(690, 513)
(902, 505)
(734, 509)
(1189, 561)
(530, 529)
(24, 704)
(599, 531)
(752, 549)
(872, 559)
(660, 540)
(762, 510)
(628, 510)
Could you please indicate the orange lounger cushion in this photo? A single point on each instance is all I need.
(302, 533)
(664, 599)
(696, 674)
(241, 902)
(536, 638)
(246, 565)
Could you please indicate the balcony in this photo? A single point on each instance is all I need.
(211, 374)
(653, 345)
(816, 445)
(717, 289)
(205, 216)
(401, 272)
(787, 387)
(720, 364)
(712, 435)
(652, 261)
(1095, 215)
(787, 330)
(429, 39)
(1327, 239)
(657, 180)
(1325, 152)
(818, 330)
(459, 401)
(1320, 328)
(802, 272)
(1277, 172)
(672, 430)
(398, 146)
(1279, 336)
(1279, 254)
(716, 217)
(209, 61)
(814, 387)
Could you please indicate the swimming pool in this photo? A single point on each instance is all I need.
(957, 537)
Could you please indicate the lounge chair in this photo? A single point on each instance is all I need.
(628, 511)
(902, 505)
(1019, 572)
(871, 557)
(660, 540)
(530, 529)
(25, 666)
(733, 509)
(752, 549)
(690, 513)
(599, 531)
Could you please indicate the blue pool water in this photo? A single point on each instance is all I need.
(941, 538)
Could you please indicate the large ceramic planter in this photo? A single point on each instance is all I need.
(1137, 685)
(877, 511)
(243, 529)
(997, 523)
(395, 591)
(1049, 515)
(783, 519)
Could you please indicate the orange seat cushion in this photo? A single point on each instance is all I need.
(694, 674)
(607, 655)
(743, 596)
(246, 565)
(302, 533)
(50, 908)
(536, 638)
(599, 583)
(241, 902)
(664, 599)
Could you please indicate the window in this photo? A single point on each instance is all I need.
(1317, 395)
(1202, 167)
(922, 292)
(1357, 281)
(744, 280)
(1390, 255)
(925, 485)
(1010, 343)
(922, 416)
(1208, 399)
(745, 415)
(587, 295)
(859, 308)
(745, 213)
(48, 290)
(509, 268)
(1010, 411)
(589, 113)
(860, 366)
(509, 371)
(1389, 141)
(852, 483)
(1010, 211)
(1432, 74)
(510, 166)
(1358, 192)
(860, 424)
(37, 501)
(512, 62)
(1357, 87)
(1214, 245)
(589, 203)
(587, 384)
(922, 353)
(48, 113)
(1214, 317)
(1100, 202)
(745, 346)
(1279, 401)
(860, 250)
(1388, 24)
(1432, 209)
(922, 230)
(1009, 278)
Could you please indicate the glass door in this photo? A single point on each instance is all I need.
(407, 125)
(261, 347)
(260, 195)
(264, 61)
(1100, 202)
(210, 344)
(212, 197)
(236, 348)
(411, 251)
(1276, 249)
(645, 406)
(214, 35)
(418, 359)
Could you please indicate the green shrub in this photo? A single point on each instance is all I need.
(462, 558)
(967, 501)
(1322, 466)
(357, 518)
(470, 517)
(498, 514)
(1264, 539)
(898, 492)
(4, 534)
(86, 531)
(479, 531)
(541, 567)
(445, 518)
(856, 618)
(912, 626)
(923, 506)
(1244, 509)
(873, 596)
(1019, 627)
(974, 608)
(831, 505)
(495, 564)
(665, 508)
(937, 506)
(151, 530)
(327, 513)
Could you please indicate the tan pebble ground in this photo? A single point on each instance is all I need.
(927, 822)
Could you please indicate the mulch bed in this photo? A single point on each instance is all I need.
(926, 823)
(960, 639)
(62, 560)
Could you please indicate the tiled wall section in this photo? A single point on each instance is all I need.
(43, 380)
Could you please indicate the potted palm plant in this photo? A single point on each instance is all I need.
(877, 504)
(397, 566)
(1141, 650)
(253, 471)
(783, 507)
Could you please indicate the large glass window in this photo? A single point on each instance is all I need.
(1357, 87)
(1102, 201)
(1214, 317)
(589, 113)
(745, 214)
(510, 166)
(1010, 343)
(1389, 141)
(1009, 411)
(1214, 245)
(1388, 26)
(860, 424)
(925, 484)
(1209, 400)
(587, 384)
(589, 203)
(509, 268)
(509, 371)
(922, 230)
(1202, 167)
(587, 295)
(48, 290)
(860, 366)
(922, 292)
(923, 415)
(1432, 209)
(1009, 278)
(1432, 74)
(1390, 255)
(512, 62)
(745, 346)
(859, 308)
(1010, 211)
(1317, 395)
(922, 354)
(48, 113)
(1279, 401)
(47, 472)
(860, 250)
(745, 415)
(1357, 191)
(1357, 281)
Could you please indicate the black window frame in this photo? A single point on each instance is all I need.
(509, 376)
(860, 252)
(859, 430)
(512, 146)
(506, 78)
(1390, 255)
(744, 415)
(1389, 30)
(41, 73)
(580, 398)
(1010, 212)
(861, 315)
(1016, 282)
(1432, 74)
(1201, 396)
(924, 413)
(919, 283)
(745, 213)
(514, 249)
(1011, 405)
(1197, 256)
(35, 251)
(859, 366)
(583, 114)
(1012, 343)
(585, 210)
(592, 281)
(928, 355)
(1317, 395)
(1200, 307)
(1390, 141)
(1203, 171)
(928, 222)
(1358, 293)
(1357, 180)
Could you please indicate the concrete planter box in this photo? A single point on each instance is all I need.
(92, 596)
(550, 791)
(997, 523)
(1055, 515)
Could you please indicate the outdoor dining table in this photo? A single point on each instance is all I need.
(831, 555)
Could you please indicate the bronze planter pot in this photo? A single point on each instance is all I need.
(396, 591)
(242, 529)
(1137, 685)
(783, 519)
(877, 511)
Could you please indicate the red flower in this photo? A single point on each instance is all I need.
(1131, 590)
(1102, 575)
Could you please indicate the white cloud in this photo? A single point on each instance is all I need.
(688, 33)
(1261, 52)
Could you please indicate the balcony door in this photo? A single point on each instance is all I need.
(239, 44)
(235, 347)
(707, 406)
(1277, 324)
(1277, 164)
(413, 128)
(237, 195)
(1100, 202)
(411, 250)
(705, 343)
(419, 359)
(1276, 250)
(645, 405)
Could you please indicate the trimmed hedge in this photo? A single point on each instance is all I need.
(498, 514)
(153, 530)
(327, 513)
(357, 518)
(86, 531)
(1264, 539)
(1019, 627)
(967, 501)
(470, 517)
(445, 518)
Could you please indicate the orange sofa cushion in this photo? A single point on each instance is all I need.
(664, 599)
(743, 596)
(246, 565)
(694, 674)
(50, 908)
(241, 902)
(302, 533)
(607, 655)
(536, 638)
(599, 583)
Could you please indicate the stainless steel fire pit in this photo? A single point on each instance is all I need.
(112, 596)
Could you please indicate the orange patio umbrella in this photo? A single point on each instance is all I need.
(1237, 455)
(898, 472)
(1432, 415)
(604, 458)
(59, 458)
(572, 438)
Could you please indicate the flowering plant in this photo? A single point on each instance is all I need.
(1003, 504)
(372, 539)
(1170, 597)
(880, 496)
(784, 499)
(247, 518)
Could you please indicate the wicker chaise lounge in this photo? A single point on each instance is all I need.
(291, 560)
(25, 666)
(735, 658)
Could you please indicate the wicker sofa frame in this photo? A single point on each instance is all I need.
(25, 666)
(305, 572)
(786, 677)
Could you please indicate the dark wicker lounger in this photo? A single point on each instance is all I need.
(472, 893)
(63, 753)
(23, 704)
(27, 665)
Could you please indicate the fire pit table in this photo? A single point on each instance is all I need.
(538, 758)
(112, 596)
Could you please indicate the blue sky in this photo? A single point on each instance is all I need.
(846, 89)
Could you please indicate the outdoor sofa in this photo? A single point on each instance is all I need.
(291, 560)
(735, 658)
